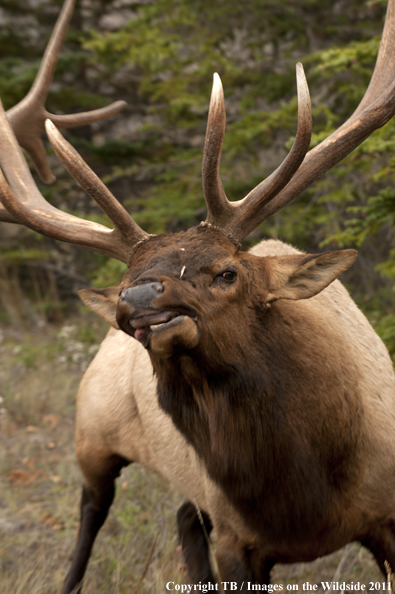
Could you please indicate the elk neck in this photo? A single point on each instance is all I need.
(264, 422)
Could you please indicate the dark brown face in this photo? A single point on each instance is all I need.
(197, 290)
(177, 286)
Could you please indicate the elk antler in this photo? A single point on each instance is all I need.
(28, 116)
(238, 219)
(235, 218)
(23, 203)
(26, 205)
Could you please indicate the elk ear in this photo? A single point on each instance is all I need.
(301, 276)
(102, 302)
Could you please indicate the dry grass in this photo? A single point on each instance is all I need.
(40, 487)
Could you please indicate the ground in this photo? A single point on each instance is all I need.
(137, 550)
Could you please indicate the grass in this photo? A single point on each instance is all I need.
(137, 549)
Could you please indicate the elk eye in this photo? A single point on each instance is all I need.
(229, 276)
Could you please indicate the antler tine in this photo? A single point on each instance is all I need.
(93, 186)
(86, 117)
(212, 186)
(46, 71)
(237, 219)
(254, 202)
(28, 116)
(26, 205)
(376, 108)
(384, 70)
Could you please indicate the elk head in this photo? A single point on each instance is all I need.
(176, 285)
(186, 291)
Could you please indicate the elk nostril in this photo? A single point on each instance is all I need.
(158, 287)
(141, 296)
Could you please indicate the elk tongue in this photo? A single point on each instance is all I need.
(181, 334)
(142, 324)
(139, 333)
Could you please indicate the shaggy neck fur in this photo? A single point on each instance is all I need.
(272, 432)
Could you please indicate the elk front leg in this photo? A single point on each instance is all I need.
(381, 544)
(232, 563)
(193, 532)
(239, 563)
(97, 497)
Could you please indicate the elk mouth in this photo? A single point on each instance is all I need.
(147, 324)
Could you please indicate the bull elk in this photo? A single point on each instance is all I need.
(272, 403)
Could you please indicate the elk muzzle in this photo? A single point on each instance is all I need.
(160, 330)
(140, 297)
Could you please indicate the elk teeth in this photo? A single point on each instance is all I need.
(154, 326)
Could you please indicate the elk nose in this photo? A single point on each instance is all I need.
(141, 296)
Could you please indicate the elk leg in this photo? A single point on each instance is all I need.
(262, 575)
(195, 548)
(238, 564)
(382, 546)
(233, 563)
(96, 501)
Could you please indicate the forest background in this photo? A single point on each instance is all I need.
(159, 56)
